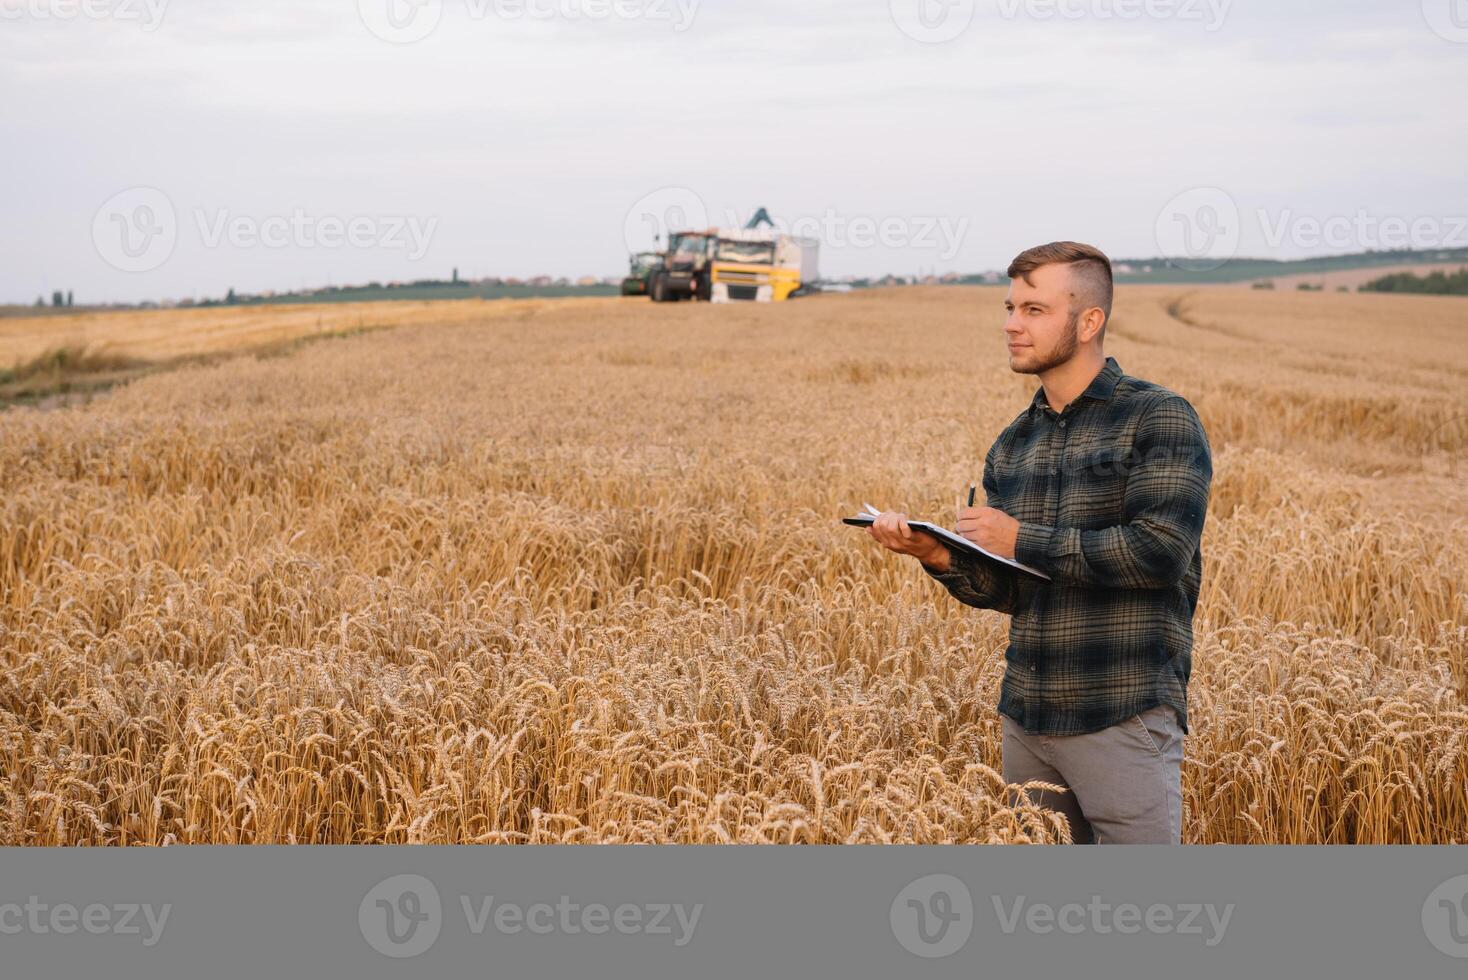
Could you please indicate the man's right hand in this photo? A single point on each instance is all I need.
(892, 532)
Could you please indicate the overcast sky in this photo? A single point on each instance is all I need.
(173, 148)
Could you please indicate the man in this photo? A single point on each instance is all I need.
(1102, 484)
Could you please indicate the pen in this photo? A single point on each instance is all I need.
(971, 489)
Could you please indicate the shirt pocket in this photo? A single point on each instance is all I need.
(1095, 486)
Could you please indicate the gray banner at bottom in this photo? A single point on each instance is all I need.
(651, 912)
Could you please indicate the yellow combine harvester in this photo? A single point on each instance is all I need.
(754, 265)
(731, 265)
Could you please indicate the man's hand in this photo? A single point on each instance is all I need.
(990, 529)
(892, 532)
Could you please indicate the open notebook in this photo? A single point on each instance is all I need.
(952, 540)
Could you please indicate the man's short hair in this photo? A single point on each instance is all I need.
(1089, 267)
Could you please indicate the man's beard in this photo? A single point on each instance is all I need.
(1063, 352)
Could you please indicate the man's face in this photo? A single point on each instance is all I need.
(1041, 330)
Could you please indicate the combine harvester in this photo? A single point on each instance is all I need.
(756, 263)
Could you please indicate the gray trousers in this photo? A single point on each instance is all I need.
(1125, 781)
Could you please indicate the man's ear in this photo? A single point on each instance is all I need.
(1090, 324)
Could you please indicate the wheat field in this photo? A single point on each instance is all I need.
(571, 572)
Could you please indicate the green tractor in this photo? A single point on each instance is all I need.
(640, 271)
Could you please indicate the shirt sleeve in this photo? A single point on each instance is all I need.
(972, 580)
(1170, 470)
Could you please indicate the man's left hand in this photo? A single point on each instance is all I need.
(990, 529)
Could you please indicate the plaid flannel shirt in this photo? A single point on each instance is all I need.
(1110, 495)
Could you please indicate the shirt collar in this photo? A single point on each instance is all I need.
(1101, 387)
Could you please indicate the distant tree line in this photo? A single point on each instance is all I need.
(1436, 283)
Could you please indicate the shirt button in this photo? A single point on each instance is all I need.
(1034, 667)
(1053, 471)
(1062, 423)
